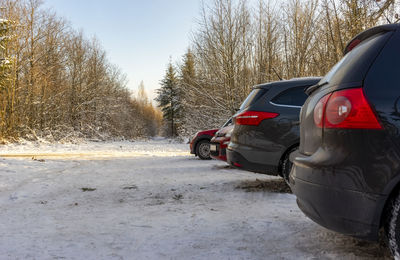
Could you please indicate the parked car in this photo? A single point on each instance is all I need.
(346, 173)
(200, 144)
(267, 127)
(220, 141)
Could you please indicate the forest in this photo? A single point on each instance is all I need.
(58, 85)
(238, 44)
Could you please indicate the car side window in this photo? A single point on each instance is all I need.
(291, 97)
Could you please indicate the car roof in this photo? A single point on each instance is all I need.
(305, 81)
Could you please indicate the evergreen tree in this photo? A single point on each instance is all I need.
(188, 86)
(188, 72)
(142, 95)
(169, 99)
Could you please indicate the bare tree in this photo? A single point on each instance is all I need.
(236, 47)
(60, 84)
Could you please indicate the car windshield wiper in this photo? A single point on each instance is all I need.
(311, 89)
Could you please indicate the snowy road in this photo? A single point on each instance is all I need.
(151, 200)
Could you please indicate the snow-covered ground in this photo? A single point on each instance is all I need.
(151, 200)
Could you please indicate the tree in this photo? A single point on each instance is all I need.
(57, 84)
(142, 95)
(267, 37)
(169, 99)
(235, 47)
(301, 20)
(7, 91)
(223, 47)
(188, 85)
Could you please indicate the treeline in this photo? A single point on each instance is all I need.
(237, 45)
(57, 84)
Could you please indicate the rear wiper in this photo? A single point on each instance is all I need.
(311, 89)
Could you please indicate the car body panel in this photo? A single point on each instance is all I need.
(343, 177)
(202, 135)
(221, 140)
(260, 148)
(356, 218)
(347, 73)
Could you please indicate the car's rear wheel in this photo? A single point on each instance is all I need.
(287, 165)
(392, 226)
(203, 150)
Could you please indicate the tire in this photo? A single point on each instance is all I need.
(287, 165)
(392, 226)
(203, 150)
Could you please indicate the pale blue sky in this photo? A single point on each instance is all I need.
(138, 35)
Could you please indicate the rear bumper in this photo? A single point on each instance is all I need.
(235, 159)
(340, 209)
(220, 153)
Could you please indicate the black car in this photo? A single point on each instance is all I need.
(346, 172)
(267, 127)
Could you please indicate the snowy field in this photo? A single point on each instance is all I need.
(152, 200)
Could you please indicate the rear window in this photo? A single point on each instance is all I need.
(229, 122)
(355, 64)
(383, 78)
(252, 97)
(291, 97)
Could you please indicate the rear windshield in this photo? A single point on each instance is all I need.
(229, 122)
(355, 64)
(291, 97)
(252, 97)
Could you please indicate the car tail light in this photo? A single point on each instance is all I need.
(352, 45)
(253, 117)
(237, 165)
(319, 110)
(345, 109)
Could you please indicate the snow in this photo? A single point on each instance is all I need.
(392, 232)
(150, 200)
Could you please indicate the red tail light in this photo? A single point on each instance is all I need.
(253, 117)
(237, 165)
(345, 109)
(319, 111)
(352, 45)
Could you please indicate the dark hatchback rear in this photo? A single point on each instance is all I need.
(266, 126)
(347, 169)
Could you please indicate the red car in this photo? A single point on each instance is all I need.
(200, 144)
(220, 142)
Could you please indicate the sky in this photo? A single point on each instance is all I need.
(140, 36)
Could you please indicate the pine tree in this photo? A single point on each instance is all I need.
(169, 99)
(188, 86)
(188, 72)
(142, 95)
